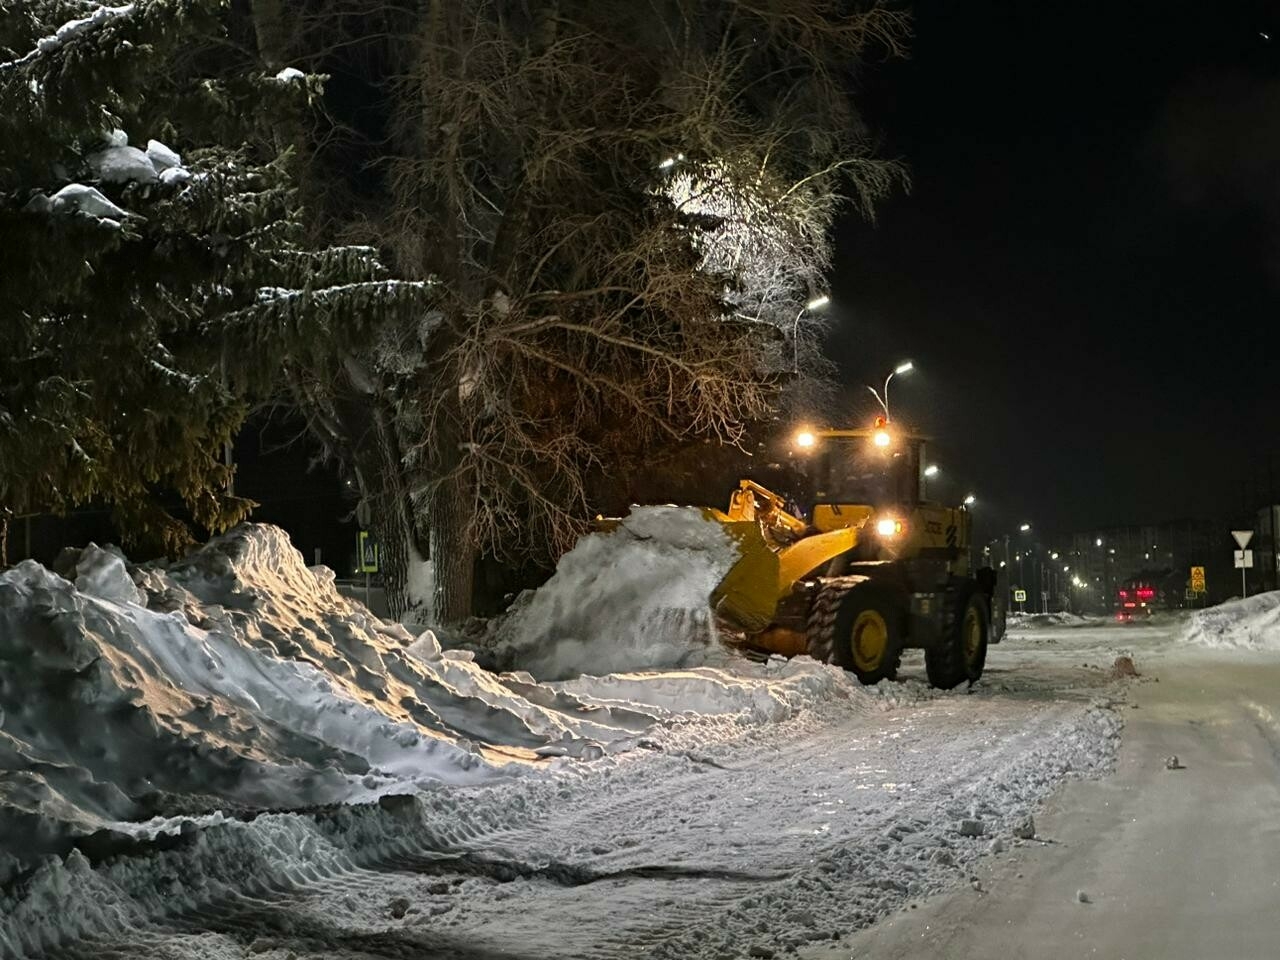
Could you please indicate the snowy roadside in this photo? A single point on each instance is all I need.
(699, 846)
(1252, 623)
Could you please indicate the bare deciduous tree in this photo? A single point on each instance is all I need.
(622, 209)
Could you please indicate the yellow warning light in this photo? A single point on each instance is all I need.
(888, 526)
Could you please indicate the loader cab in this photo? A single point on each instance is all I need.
(873, 480)
(881, 468)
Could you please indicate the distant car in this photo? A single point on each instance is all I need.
(1136, 600)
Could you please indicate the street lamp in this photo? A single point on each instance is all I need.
(970, 500)
(882, 398)
(817, 303)
(931, 470)
(1025, 528)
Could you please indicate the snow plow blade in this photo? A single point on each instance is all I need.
(767, 573)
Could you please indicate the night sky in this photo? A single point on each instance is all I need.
(1086, 270)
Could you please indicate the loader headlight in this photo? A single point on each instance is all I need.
(888, 526)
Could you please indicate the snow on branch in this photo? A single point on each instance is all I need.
(70, 31)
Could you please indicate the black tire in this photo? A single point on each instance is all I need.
(963, 653)
(993, 585)
(859, 624)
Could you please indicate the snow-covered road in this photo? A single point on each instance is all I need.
(1179, 863)
(777, 839)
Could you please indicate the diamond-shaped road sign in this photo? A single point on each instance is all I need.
(1242, 537)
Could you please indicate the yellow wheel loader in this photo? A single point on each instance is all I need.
(872, 568)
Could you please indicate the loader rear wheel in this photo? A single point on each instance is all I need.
(858, 624)
(963, 652)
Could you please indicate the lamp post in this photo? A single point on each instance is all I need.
(882, 398)
(1024, 528)
(817, 303)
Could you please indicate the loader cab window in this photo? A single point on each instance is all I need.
(854, 471)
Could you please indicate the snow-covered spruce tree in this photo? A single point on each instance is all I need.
(144, 292)
(622, 209)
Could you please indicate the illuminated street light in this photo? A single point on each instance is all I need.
(931, 470)
(805, 439)
(817, 303)
(1025, 527)
(970, 500)
(882, 398)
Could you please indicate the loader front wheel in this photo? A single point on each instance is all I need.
(869, 631)
(963, 652)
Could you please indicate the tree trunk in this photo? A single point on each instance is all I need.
(452, 550)
(271, 25)
(394, 530)
(394, 519)
(4, 538)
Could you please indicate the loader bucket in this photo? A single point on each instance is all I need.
(748, 595)
(751, 591)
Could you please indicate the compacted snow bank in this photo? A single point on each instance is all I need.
(238, 680)
(1251, 624)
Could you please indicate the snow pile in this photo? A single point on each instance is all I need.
(1250, 624)
(238, 679)
(633, 598)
